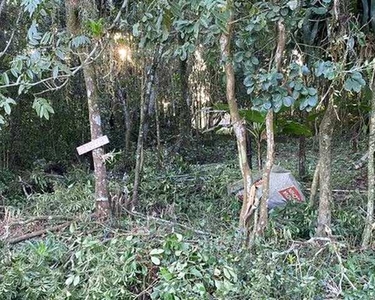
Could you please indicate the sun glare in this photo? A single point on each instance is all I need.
(124, 54)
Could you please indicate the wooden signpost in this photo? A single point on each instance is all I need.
(94, 144)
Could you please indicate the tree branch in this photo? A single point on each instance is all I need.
(115, 21)
(37, 233)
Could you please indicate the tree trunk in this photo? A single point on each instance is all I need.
(325, 192)
(145, 98)
(314, 185)
(101, 193)
(75, 26)
(123, 96)
(367, 233)
(239, 128)
(158, 138)
(183, 107)
(263, 214)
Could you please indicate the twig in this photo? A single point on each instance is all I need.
(37, 233)
(2, 53)
(115, 21)
(146, 290)
(344, 191)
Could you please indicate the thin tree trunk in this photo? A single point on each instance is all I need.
(75, 26)
(367, 233)
(239, 128)
(158, 138)
(145, 98)
(263, 213)
(325, 192)
(314, 185)
(139, 151)
(127, 120)
(183, 108)
(101, 193)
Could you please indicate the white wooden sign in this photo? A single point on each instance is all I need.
(99, 142)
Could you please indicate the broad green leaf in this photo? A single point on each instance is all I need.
(156, 252)
(288, 101)
(293, 4)
(155, 260)
(5, 78)
(252, 116)
(76, 280)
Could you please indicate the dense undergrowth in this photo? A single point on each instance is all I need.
(196, 254)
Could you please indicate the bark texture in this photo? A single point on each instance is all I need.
(367, 232)
(78, 12)
(314, 185)
(263, 214)
(325, 191)
(236, 120)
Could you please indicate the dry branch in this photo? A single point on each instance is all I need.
(137, 214)
(37, 233)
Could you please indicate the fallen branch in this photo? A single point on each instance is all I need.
(37, 233)
(137, 214)
(344, 191)
(40, 218)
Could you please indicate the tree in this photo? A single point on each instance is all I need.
(236, 120)
(367, 232)
(263, 214)
(78, 14)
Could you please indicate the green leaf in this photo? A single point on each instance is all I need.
(196, 273)
(354, 83)
(288, 101)
(248, 81)
(155, 260)
(254, 60)
(30, 5)
(42, 108)
(55, 72)
(69, 280)
(5, 103)
(319, 10)
(313, 100)
(76, 280)
(79, 41)
(156, 252)
(136, 29)
(5, 78)
(179, 237)
(252, 116)
(295, 129)
(293, 4)
(312, 91)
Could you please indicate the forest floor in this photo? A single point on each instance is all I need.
(183, 243)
